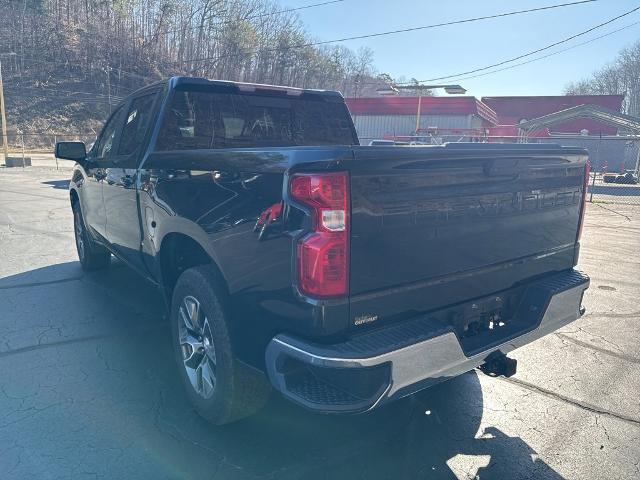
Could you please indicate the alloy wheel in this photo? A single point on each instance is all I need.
(197, 347)
(79, 231)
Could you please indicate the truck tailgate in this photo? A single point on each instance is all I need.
(437, 226)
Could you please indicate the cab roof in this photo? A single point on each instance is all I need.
(181, 81)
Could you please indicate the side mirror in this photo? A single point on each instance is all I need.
(76, 151)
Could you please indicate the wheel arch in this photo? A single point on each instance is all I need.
(179, 252)
(74, 197)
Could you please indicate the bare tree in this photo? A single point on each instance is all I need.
(622, 76)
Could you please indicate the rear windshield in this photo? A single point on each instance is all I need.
(198, 119)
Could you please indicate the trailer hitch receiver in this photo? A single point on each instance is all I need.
(499, 365)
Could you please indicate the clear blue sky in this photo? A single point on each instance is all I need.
(453, 49)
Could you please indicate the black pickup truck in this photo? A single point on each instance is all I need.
(343, 276)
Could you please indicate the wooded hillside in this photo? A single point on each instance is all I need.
(66, 61)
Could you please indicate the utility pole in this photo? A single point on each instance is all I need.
(418, 113)
(418, 88)
(3, 118)
(108, 70)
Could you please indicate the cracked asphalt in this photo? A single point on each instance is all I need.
(88, 387)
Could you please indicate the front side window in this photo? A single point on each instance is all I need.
(136, 123)
(207, 119)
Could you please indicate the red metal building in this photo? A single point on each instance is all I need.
(512, 110)
(380, 117)
(388, 116)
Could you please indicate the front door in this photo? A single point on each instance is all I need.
(120, 185)
(92, 200)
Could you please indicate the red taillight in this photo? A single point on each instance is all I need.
(583, 206)
(323, 254)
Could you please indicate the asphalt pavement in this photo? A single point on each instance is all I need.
(89, 389)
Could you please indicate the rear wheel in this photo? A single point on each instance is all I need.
(91, 255)
(221, 388)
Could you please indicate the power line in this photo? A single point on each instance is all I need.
(75, 96)
(79, 101)
(528, 54)
(71, 94)
(395, 32)
(553, 53)
(36, 61)
(455, 22)
(36, 92)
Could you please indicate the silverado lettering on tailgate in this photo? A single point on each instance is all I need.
(479, 206)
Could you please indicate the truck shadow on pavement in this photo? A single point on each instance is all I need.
(59, 184)
(95, 364)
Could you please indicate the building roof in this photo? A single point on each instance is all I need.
(601, 114)
(512, 110)
(496, 111)
(429, 106)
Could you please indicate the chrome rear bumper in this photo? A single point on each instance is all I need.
(374, 368)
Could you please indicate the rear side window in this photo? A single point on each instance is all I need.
(136, 123)
(108, 135)
(205, 120)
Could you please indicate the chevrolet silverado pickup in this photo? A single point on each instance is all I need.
(342, 276)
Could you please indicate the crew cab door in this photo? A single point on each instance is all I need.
(120, 185)
(98, 159)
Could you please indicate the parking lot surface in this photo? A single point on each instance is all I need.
(89, 389)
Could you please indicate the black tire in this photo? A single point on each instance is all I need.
(91, 255)
(223, 390)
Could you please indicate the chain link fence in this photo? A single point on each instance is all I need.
(615, 161)
(38, 148)
(614, 188)
(41, 142)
